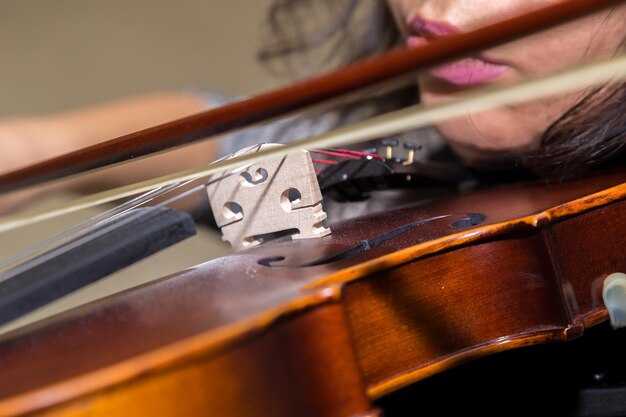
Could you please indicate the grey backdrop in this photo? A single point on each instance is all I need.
(62, 54)
(59, 54)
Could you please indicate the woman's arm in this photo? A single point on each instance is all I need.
(25, 140)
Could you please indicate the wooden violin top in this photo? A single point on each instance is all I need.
(334, 321)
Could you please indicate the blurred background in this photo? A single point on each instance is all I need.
(62, 54)
(65, 54)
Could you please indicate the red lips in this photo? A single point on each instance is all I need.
(466, 72)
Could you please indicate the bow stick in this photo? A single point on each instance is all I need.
(409, 118)
(286, 100)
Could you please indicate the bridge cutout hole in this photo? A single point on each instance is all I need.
(290, 198)
(232, 211)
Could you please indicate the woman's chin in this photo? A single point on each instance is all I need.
(472, 155)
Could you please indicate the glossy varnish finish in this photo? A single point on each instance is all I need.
(426, 316)
(249, 378)
(335, 335)
(583, 259)
(444, 307)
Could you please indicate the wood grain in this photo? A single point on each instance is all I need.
(249, 379)
(429, 315)
(356, 327)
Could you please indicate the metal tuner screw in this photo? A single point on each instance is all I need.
(412, 147)
(389, 144)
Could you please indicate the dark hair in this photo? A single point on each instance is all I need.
(307, 36)
(591, 133)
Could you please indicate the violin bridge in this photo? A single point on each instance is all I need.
(268, 198)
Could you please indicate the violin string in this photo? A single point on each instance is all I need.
(361, 154)
(25, 259)
(324, 161)
(81, 229)
(53, 252)
(395, 122)
(343, 155)
(379, 73)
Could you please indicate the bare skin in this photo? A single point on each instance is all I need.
(519, 127)
(26, 140)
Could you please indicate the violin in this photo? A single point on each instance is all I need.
(330, 326)
(317, 328)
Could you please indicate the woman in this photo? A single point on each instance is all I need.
(557, 135)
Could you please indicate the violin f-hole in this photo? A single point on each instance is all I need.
(461, 221)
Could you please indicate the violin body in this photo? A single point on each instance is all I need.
(324, 327)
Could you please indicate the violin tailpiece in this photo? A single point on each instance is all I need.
(268, 199)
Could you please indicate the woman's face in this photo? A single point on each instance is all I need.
(511, 128)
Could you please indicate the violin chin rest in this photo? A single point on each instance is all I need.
(118, 243)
